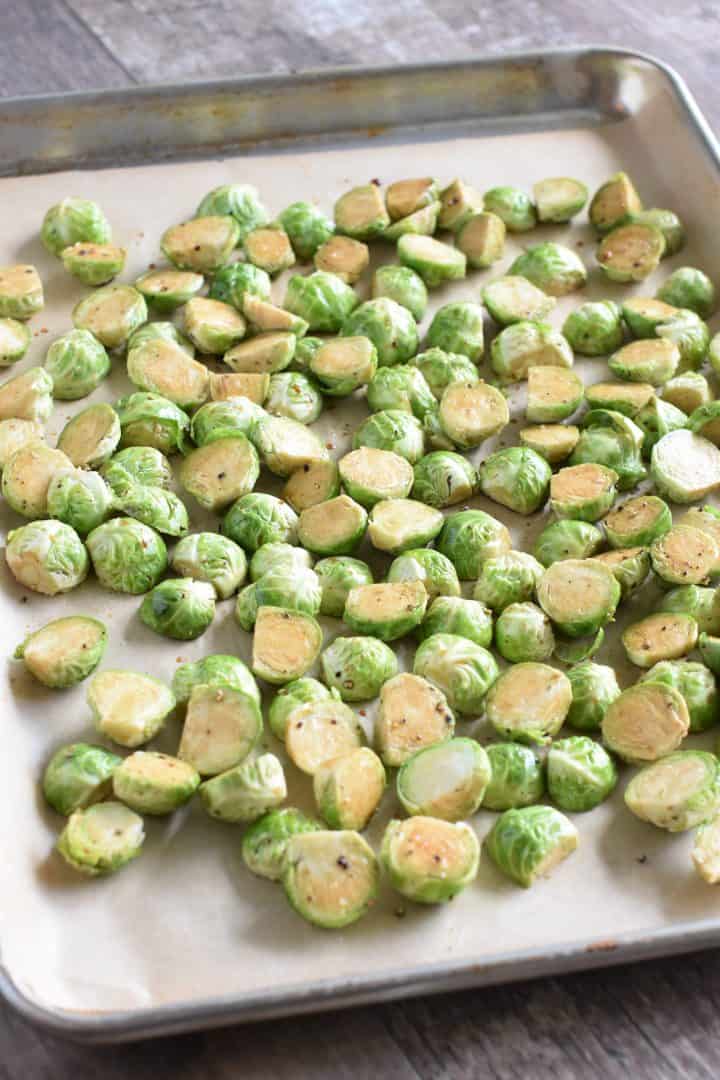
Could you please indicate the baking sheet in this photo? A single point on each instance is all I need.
(186, 931)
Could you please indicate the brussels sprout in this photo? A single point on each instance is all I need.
(338, 575)
(396, 525)
(567, 539)
(522, 345)
(429, 860)
(631, 252)
(514, 208)
(579, 595)
(344, 364)
(269, 249)
(513, 299)
(690, 334)
(662, 636)
(21, 292)
(77, 363)
(137, 465)
(685, 467)
(222, 725)
(128, 707)
(713, 352)
(553, 393)
(529, 702)
(653, 360)
(387, 611)
(443, 478)
(213, 325)
(705, 421)
(74, 221)
(161, 368)
(330, 878)
(160, 331)
(265, 842)
(705, 518)
(404, 197)
(265, 353)
(509, 578)
(251, 385)
(154, 506)
(209, 557)
(435, 571)
(413, 714)
(656, 419)
(392, 430)
(554, 442)
(529, 842)
(16, 434)
(689, 288)
(390, 327)
(695, 682)
(709, 646)
(371, 475)
(246, 608)
(403, 286)
(290, 697)
(15, 340)
(594, 329)
(580, 774)
(27, 476)
(460, 617)
(559, 199)
(422, 223)
(447, 780)
(320, 730)
(469, 538)
(343, 256)
(441, 369)
(472, 412)
(245, 792)
(293, 395)
(150, 420)
(401, 388)
(482, 239)
(127, 556)
(361, 212)
(677, 793)
(630, 566)
(334, 527)
(667, 222)
(220, 472)
(307, 227)
(312, 483)
(295, 589)
(225, 419)
(79, 498)
(285, 644)
(463, 670)
(516, 477)
(264, 316)
(357, 667)
(523, 633)
(152, 783)
(643, 315)
(111, 314)
(516, 777)
(214, 670)
(684, 555)
(179, 608)
(65, 651)
(583, 492)
(46, 556)
(203, 245)
(705, 851)
(101, 839)
(169, 289)
(348, 788)
(576, 650)
(323, 300)
(552, 267)
(625, 398)
(458, 203)
(93, 264)
(240, 201)
(638, 521)
(434, 261)
(90, 438)
(702, 603)
(278, 556)
(602, 446)
(258, 519)
(458, 328)
(78, 775)
(286, 445)
(233, 283)
(594, 688)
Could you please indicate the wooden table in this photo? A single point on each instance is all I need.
(653, 1021)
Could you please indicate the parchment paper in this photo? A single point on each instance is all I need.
(186, 921)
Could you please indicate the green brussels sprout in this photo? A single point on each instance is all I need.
(161, 367)
(695, 682)
(277, 556)
(293, 395)
(307, 227)
(232, 283)
(46, 556)
(15, 340)
(79, 498)
(689, 288)
(101, 839)
(246, 608)
(179, 608)
(77, 363)
(482, 239)
(396, 525)
(594, 688)
(264, 354)
(111, 314)
(390, 327)
(323, 300)
(77, 776)
(583, 492)
(552, 267)
(428, 860)
(446, 781)
(213, 558)
(91, 437)
(403, 286)
(321, 730)
(402, 388)
(529, 842)
(330, 877)
(567, 539)
(553, 393)
(624, 397)
(169, 289)
(285, 445)
(422, 222)
(371, 475)
(286, 644)
(240, 201)
(705, 421)
(203, 244)
(713, 350)
(16, 434)
(222, 725)
(404, 197)
(667, 222)
(65, 651)
(27, 396)
(580, 773)
(413, 714)
(702, 603)
(677, 793)
(153, 783)
(690, 334)
(509, 578)
(443, 478)
(27, 476)
(575, 651)
(436, 572)
(214, 670)
(128, 707)
(245, 792)
(660, 636)
(160, 331)
(434, 261)
(594, 329)
(154, 506)
(358, 666)
(684, 466)
(704, 853)
(21, 292)
(684, 555)
(458, 328)
(458, 203)
(579, 595)
(93, 264)
(348, 788)
(137, 465)
(460, 617)
(339, 574)
(559, 199)
(470, 413)
(74, 221)
(296, 589)
(126, 555)
(643, 315)
(290, 697)
(388, 610)
(224, 419)
(709, 646)
(361, 212)
(652, 361)
(463, 670)
(264, 843)
(514, 299)
(305, 349)
(656, 419)
(469, 538)
(630, 566)
(150, 420)
(213, 326)
(335, 527)
(639, 521)
(523, 633)
(516, 777)
(343, 256)
(516, 477)
(615, 450)
(392, 430)
(523, 345)
(220, 472)
(344, 364)
(705, 518)
(441, 369)
(512, 206)
(258, 519)
(631, 252)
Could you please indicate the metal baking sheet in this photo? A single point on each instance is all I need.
(185, 937)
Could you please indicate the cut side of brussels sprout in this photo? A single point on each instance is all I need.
(706, 851)
(554, 442)
(516, 477)
(662, 636)
(625, 398)
(429, 860)
(690, 288)
(286, 644)
(91, 437)
(179, 608)
(578, 595)
(343, 256)
(46, 556)
(404, 197)
(286, 445)
(646, 722)
(685, 467)
(330, 878)
(101, 839)
(638, 522)
(21, 292)
(522, 345)
(404, 286)
(202, 245)
(269, 249)
(463, 670)
(220, 472)
(93, 264)
(396, 525)
(78, 775)
(245, 792)
(248, 384)
(705, 421)
(290, 697)
(697, 685)
(517, 777)
(16, 434)
(371, 475)
(613, 201)
(361, 212)
(684, 556)
(160, 367)
(348, 789)
(528, 843)
(266, 317)
(457, 202)
(554, 393)
(65, 651)
(583, 492)
(422, 223)
(677, 793)
(643, 315)
(169, 289)
(313, 483)
(413, 714)
(212, 325)
(630, 566)
(222, 725)
(649, 360)
(554, 268)
(264, 843)
(152, 783)
(434, 261)
(334, 527)
(265, 353)
(321, 730)
(482, 239)
(472, 412)
(27, 476)
(343, 365)
(436, 572)
(523, 633)
(580, 774)
(705, 518)
(72, 221)
(111, 314)
(128, 707)
(388, 611)
(15, 340)
(631, 252)
(213, 558)
(357, 667)
(529, 702)
(559, 199)
(514, 299)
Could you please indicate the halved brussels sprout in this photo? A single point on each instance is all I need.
(649, 360)
(388, 610)
(677, 793)
(630, 566)
(413, 714)
(348, 788)
(684, 555)
(101, 839)
(554, 393)
(529, 842)
(685, 467)
(428, 860)
(580, 774)
(509, 578)
(361, 212)
(458, 328)
(482, 239)
(458, 202)
(646, 722)
(579, 595)
(65, 651)
(524, 344)
(464, 671)
(472, 412)
(554, 268)
(514, 299)
(111, 314)
(222, 725)
(706, 851)
(435, 571)
(162, 368)
(307, 227)
(150, 420)
(21, 292)
(443, 478)
(559, 199)
(691, 335)
(293, 395)
(422, 222)
(213, 325)
(469, 538)
(203, 245)
(286, 445)
(289, 587)
(613, 201)
(516, 477)
(312, 483)
(153, 783)
(285, 644)
(702, 603)
(625, 398)
(697, 685)
(455, 615)
(667, 222)
(404, 197)
(290, 697)
(344, 364)
(639, 521)
(265, 842)
(529, 702)
(594, 688)
(643, 315)
(403, 388)
(705, 518)
(396, 525)
(656, 419)
(631, 252)
(240, 201)
(330, 878)
(516, 777)
(338, 575)
(128, 707)
(319, 730)
(91, 437)
(265, 353)
(77, 776)
(403, 286)
(93, 264)
(446, 781)
(27, 476)
(16, 434)
(554, 442)
(343, 256)
(434, 261)
(258, 519)
(390, 327)
(213, 558)
(127, 556)
(77, 363)
(567, 539)
(603, 445)
(661, 636)
(232, 283)
(179, 608)
(224, 419)
(441, 369)
(154, 506)
(220, 472)
(705, 421)
(709, 645)
(74, 221)
(269, 249)
(79, 498)
(15, 340)
(357, 667)
(252, 385)
(583, 492)
(690, 288)
(169, 289)
(323, 300)
(514, 208)
(335, 527)
(371, 475)
(46, 556)
(523, 633)
(245, 792)
(278, 556)
(392, 430)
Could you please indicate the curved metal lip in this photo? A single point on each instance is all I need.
(336, 993)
